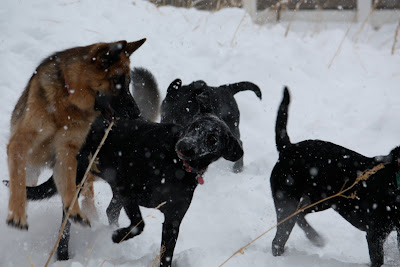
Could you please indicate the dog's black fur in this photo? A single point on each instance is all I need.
(149, 163)
(180, 104)
(312, 170)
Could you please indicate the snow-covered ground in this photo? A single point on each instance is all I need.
(355, 103)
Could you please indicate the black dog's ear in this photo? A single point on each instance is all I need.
(200, 84)
(204, 102)
(173, 88)
(125, 106)
(233, 149)
(395, 155)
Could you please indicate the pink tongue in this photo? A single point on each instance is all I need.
(200, 180)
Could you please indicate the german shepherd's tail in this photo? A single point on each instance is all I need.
(145, 92)
(42, 191)
(281, 136)
(244, 86)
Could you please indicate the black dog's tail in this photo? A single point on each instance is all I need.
(42, 191)
(145, 92)
(281, 136)
(244, 86)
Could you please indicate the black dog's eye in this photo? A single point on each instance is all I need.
(211, 140)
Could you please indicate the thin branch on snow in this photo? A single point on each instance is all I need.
(395, 37)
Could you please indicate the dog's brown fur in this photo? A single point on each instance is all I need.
(53, 116)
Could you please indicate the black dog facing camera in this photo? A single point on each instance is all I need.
(182, 103)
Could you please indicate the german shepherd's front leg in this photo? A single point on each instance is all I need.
(17, 158)
(65, 175)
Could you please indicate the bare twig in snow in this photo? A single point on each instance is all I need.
(237, 29)
(366, 19)
(340, 46)
(291, 19)
(156, 261)
(395, 37)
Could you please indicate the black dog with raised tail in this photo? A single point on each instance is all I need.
(311, 170)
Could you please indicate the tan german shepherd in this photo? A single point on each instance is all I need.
(50, 122)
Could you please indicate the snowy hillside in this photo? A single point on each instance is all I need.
(355, 103)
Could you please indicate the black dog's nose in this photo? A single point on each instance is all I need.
(185, 149)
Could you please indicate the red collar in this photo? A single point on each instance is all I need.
(67, 86)
(199, 175)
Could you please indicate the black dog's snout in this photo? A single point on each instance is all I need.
(185, 149)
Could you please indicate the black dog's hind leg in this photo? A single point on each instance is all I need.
(62, 249)
(137, 224)
(285, 205)
(310, 232)
(376, 238)
(114, 208)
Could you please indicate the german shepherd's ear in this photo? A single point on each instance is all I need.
(107, 54)
(133, 46)
(233, 149)
(204, 102)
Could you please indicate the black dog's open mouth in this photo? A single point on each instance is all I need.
(189, 168)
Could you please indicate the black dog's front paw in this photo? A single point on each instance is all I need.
(122, 234)
(277, 250)
(62, 254)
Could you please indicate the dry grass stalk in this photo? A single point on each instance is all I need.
(395, 37)
(362, 177)
(237, 29)
(291, 19)
(340, 46)
(278, 7)
(30, 261)
(158, 207)
(366, 19)
(156, 260)
(77, 193)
